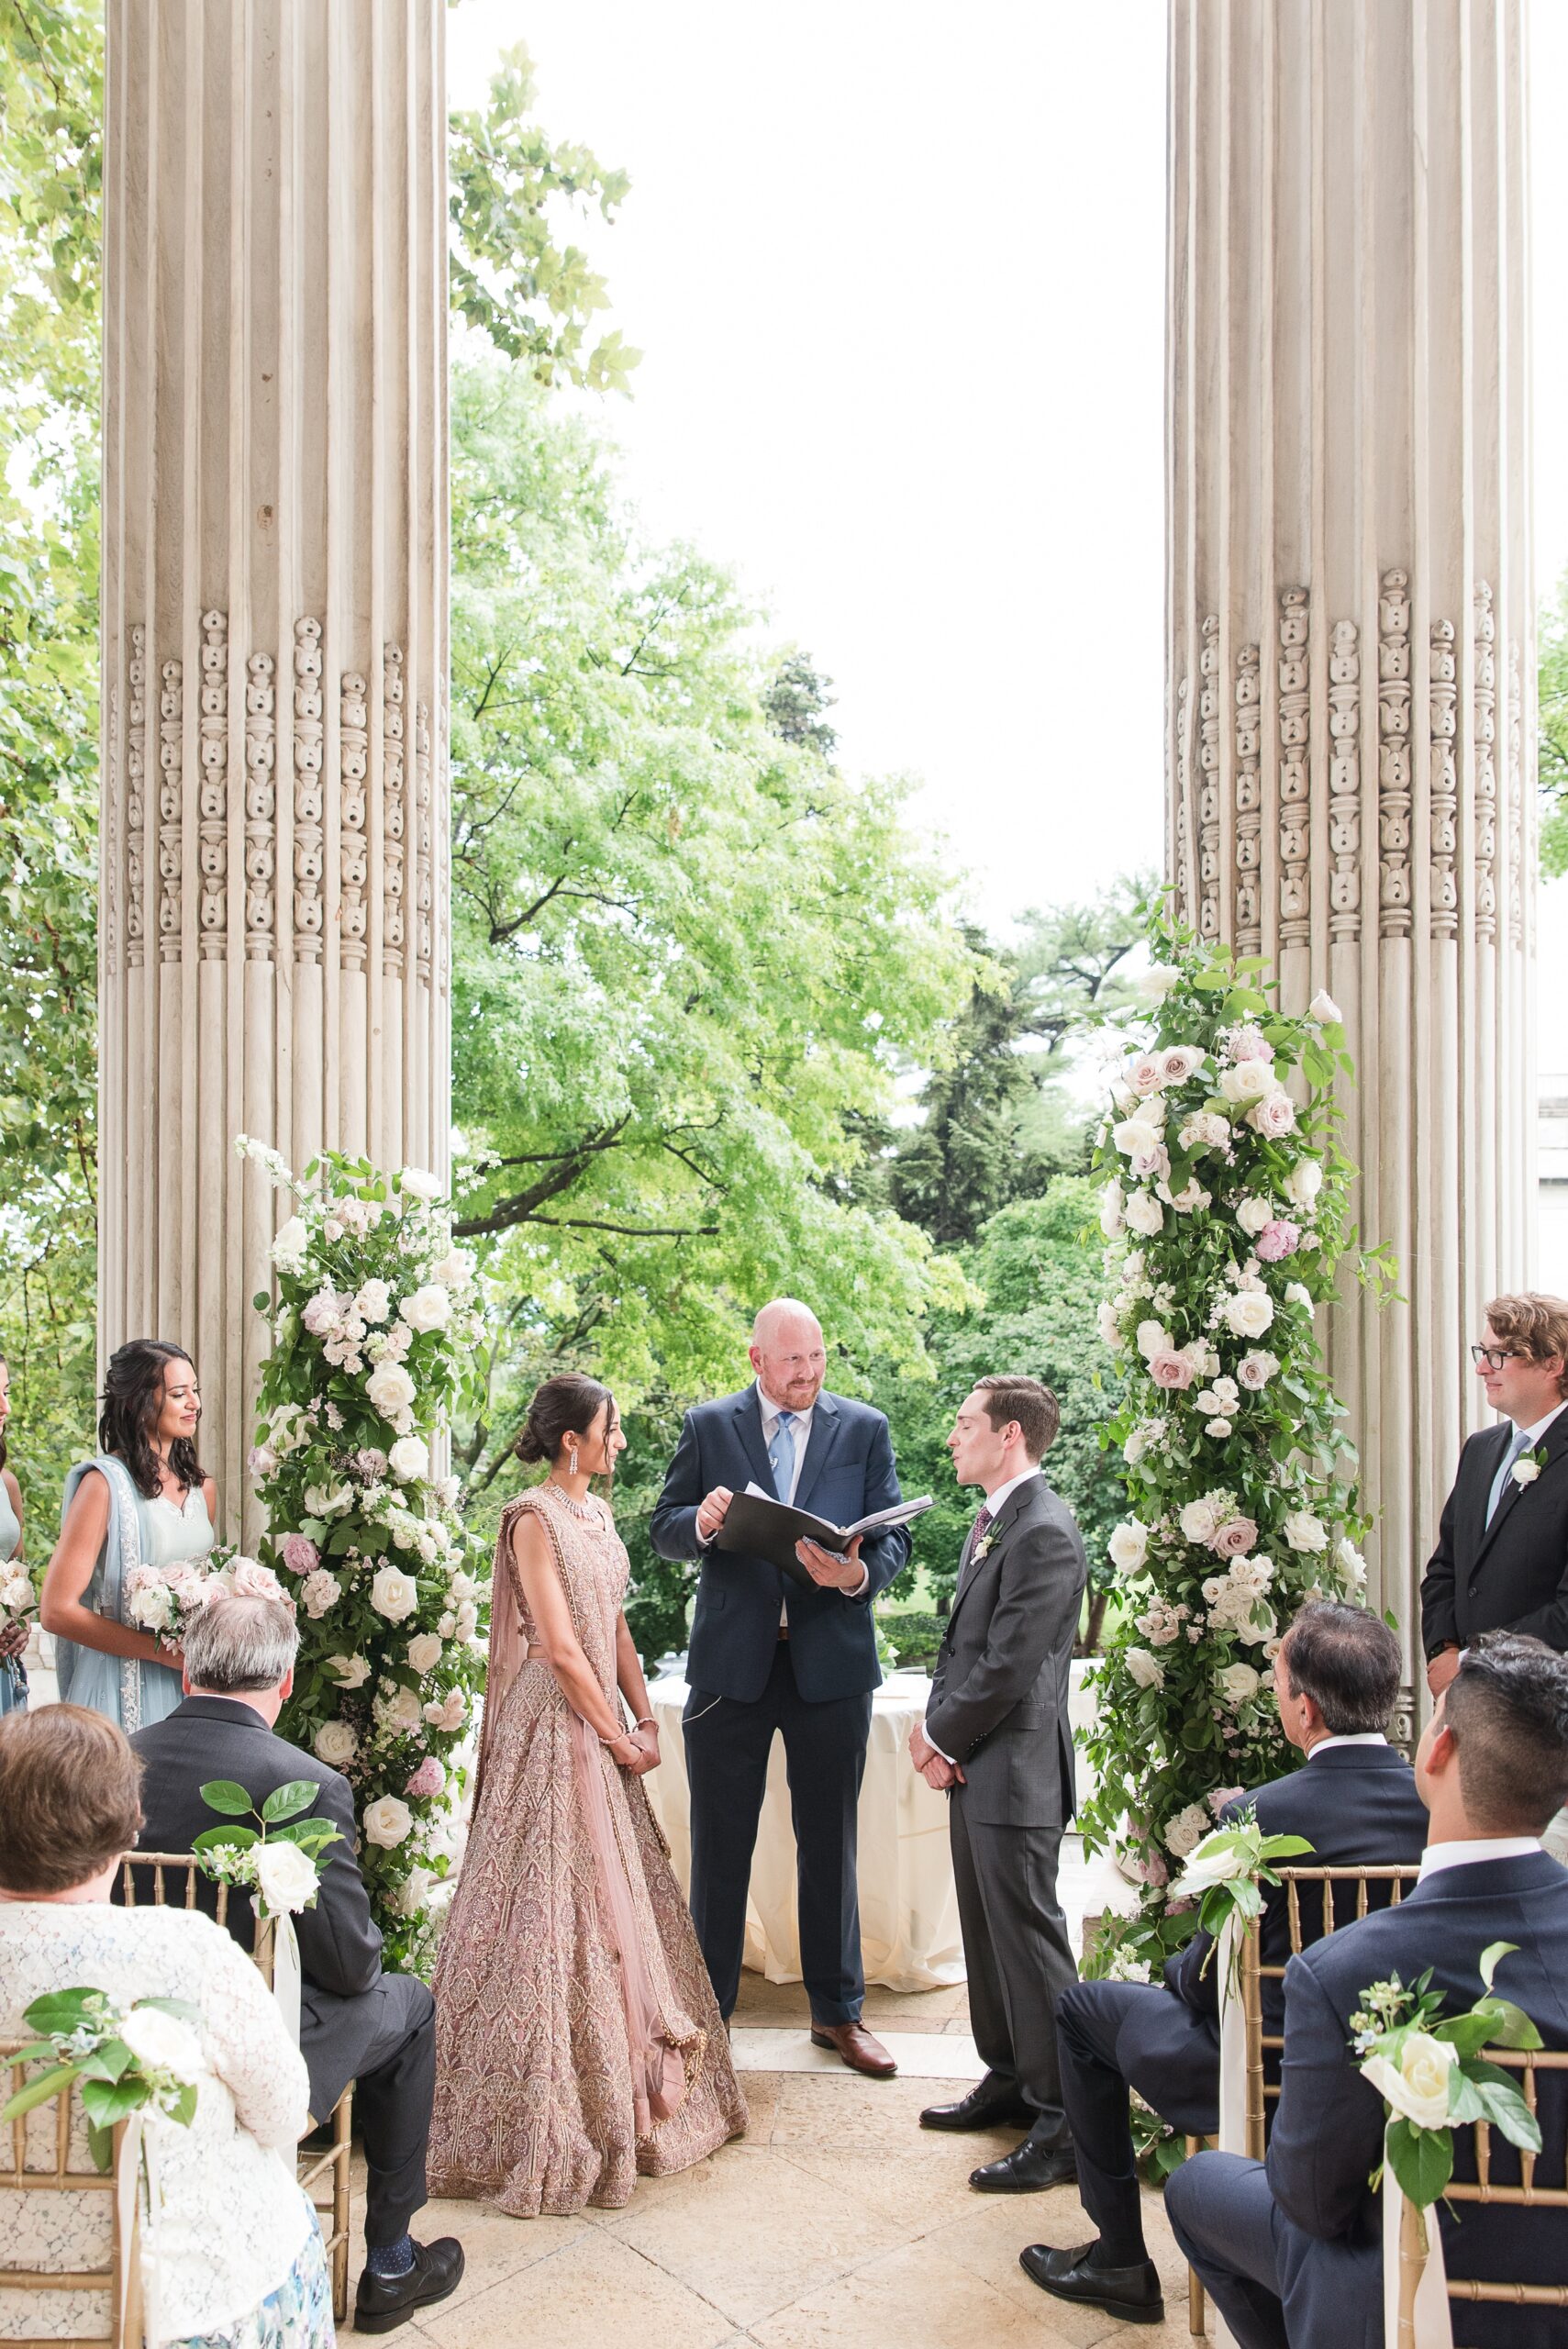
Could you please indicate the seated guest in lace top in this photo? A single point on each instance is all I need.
(234, 2246)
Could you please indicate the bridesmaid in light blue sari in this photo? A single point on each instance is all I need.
(145, 1501)
(12, 1637)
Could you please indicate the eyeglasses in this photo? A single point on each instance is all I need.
(1493, 1357)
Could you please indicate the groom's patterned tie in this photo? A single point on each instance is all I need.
(977, 1535)
(780, 1454)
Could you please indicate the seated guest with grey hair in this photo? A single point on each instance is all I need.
(356, 2022)
(1355, 1799)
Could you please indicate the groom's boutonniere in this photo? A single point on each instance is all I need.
(982, 1549)
(1528, 1466)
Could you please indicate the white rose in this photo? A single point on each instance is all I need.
(425, 1652)
(162, 2043)
(1325, 1010)
(1145, 1669)
(1256, 1369)
(1108, 1325)
(417, 1184)
(373, 1302)
(429, 1307)
(288, 1250)
(1353, 1565)
(1218, 1429)
(1128, 1546)
(1211, 1864)
(467, 1620)
(1200, 1520)
(409, 1459)
(455, 1269)
(1237, 1683)
(1303, 1182)
(284, 1878)
(1247, 1081)
(1112, 1201)
(1305, 1531)
(414, 1892)
(394, 1594)
(1253, 1214)
(1187, 1831)
(387, 1822)
(320, 1592)
(401, 1710)
(1145, 1215)
(450, 1713)
(16, 1592)
(1136, 1137)
(349, 1671)
(464, 1587)
(1153, 1339)
(1419, 2087)
(390, 1389)
(320, 1500)
(1524, 1471)
(335, 1743)
(1154, 985)
(1248, 1313)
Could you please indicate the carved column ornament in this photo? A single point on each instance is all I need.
(1486, 765)
(1208, 781)
(1249, 801)
(308, 853)
(392, 804)
(214, 794)
(170, 809)
(1442, 696)
(1344, 781)
(1394, 755)
(136, 801)
(1294, 775)
(261, 806)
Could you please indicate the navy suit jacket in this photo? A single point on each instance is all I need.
(848, 1473)
(1357, 1806)
(1513, 1573)
(1328, 2133)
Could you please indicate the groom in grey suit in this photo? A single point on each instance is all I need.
(997, 1740)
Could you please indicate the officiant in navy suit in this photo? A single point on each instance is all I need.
(768, 1654)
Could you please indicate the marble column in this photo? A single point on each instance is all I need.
(274, 936)
(1351, 658)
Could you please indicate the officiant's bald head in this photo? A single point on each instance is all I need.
(787, 1353)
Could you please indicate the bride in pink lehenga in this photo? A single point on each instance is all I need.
(578, 2042)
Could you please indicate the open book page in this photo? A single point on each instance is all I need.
(901, 1513)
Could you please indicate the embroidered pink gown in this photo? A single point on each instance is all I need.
(578, 2041)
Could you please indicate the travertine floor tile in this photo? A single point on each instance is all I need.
(594, 2290)
(912, 2296)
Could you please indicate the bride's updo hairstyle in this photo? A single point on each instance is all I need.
(565, 1404)
(133, 1398)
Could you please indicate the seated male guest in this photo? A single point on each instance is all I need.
(1335, 1679)
(356, 2022)
(1291, 2250)
(1501, 1562)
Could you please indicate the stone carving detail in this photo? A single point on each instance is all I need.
(136, 803)
(111, 857)
(1442, 695)
(261, 804)
(1183, 840)
(353, 854)
(392, 850)
(1515, 800)
(1486, 765)
(1249, 802)
(444, 832)
(1208, 782)
(1394, 755)
(214, 795)
(309, 856)
(171, 807)
(423, 837)
(1344, 781)
(1294, 776)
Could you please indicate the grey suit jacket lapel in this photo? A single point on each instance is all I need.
(1551, 1443)
(823, 1437)
(997, 1532)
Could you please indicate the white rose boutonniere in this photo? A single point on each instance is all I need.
(1528, 1466)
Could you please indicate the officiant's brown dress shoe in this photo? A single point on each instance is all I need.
(859, 2049)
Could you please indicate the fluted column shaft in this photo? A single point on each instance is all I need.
(1351, 640)
(274, 940)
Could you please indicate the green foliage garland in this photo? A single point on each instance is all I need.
(1224, 1205)
(374, 1332)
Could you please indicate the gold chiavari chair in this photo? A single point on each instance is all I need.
(1253, 1973)
(49, 2156)
(1527, 2194)
(333, 2163)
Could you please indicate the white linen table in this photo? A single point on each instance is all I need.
(909, 1933)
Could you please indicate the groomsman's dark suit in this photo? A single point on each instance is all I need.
(748, 1679)
(356, 2022)
(1293, 2248)
(1508, 1575)
(1357, 1805)
(998, 1709)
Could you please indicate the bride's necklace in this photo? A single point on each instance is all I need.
(589, 1511)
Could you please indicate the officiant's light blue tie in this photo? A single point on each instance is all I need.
(780, 1454)
(1500, 1481)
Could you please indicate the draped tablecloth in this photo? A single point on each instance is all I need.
(909, 1934)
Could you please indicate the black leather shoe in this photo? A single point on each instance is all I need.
(990, 2105)
(1131, 2293)
(383, 2302)
(1030, 2168)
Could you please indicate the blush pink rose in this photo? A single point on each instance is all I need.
(1222, 1795)
(1145, 1163)
(1251, 1044)
(430, 1778)
(1234, 1538)
(1180, 1061)
(299, 1553)
(1146, 1074)
(1152, 1870)
(1274, 1117)
(1282, 1238)
(1170, 1369)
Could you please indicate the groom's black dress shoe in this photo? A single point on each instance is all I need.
(1131, 2293)
(991, 2104)
(383, 2302)
(1030, 2168)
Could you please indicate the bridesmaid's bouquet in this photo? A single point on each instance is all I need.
(165, 1599)
(18, 1599)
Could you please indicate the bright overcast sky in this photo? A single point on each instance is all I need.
(899, 275)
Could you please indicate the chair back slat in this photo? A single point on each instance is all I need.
(161, 1865)
(124, 2325)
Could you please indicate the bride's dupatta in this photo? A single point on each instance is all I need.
(659, 2075)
